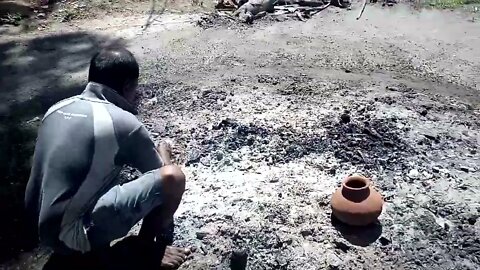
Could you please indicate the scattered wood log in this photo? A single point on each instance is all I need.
(254, 9)
(303, 3)
(250, 10)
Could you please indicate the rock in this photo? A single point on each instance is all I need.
(236, 157)
(432, 137)
(413, 173)
(245, 166)
(151, 101)
(273, 180)
(205, 160)
(334, 262)
(384, 241)
(227, 162)
(392, 88)
(227, 122)
(424, 112)
(467, 169)
(238, 259)
(201, 235)
(436, 169)
(219, 156)
(306, 232)
(472, 220)
(345, 118)
(193, 156)
(341, 245)
(41, 15)
(427, 175)
(445, 171)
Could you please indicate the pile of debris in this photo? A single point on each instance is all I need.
(249, 10)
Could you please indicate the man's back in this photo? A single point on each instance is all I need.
(82, 144)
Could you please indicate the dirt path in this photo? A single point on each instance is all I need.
(255, 114)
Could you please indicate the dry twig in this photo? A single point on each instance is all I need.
(364, 4)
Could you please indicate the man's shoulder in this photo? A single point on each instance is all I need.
(123, 121)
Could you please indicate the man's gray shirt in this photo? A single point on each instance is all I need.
(82, 144)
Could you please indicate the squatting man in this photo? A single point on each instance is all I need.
(74, 196)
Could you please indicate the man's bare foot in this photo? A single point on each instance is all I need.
(165, 151)
(174, 257)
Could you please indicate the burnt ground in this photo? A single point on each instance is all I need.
(268, 119)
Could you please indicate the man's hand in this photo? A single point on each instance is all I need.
(165, 152)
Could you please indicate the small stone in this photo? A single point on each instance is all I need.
(436, 169)
(392, 88)
(472, 220)
(227, 162)
(427, 175)
(384, 241)
(341, 245)
(219, 156)
(306, 232)
(432, 137)
(273, 180)
(41, 15)
(202, 250)
(413, 173)
(287, 241)
(445, 171)
(238, 259)
(245, 166)
(345, 118)
(467, 169)
(151, 101)
(236, 157)
(201, 235)
(334, 262)
(424, 112)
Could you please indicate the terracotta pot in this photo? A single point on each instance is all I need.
(356, 202)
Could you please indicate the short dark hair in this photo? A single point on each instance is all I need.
(113, 67)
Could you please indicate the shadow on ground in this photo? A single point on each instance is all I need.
(359, 236)
(35, 74)
(128, 253)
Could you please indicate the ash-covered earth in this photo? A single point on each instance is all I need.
(268, 119)
(263, 161)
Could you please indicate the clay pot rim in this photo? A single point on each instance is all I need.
(356, 177)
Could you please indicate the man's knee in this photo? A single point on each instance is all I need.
(173, 180)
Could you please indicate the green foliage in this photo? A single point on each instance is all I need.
(11, 18)
(451, 4)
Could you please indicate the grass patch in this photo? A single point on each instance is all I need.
(450, 4)
(11, 18)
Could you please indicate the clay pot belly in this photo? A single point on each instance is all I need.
(356, 202)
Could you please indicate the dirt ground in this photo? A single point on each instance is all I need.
(255, 114)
